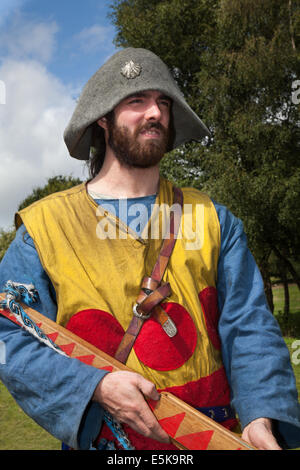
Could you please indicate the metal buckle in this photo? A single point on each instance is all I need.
(170, 328)
(140, 315)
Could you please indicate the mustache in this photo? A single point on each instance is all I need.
(152, 125)
(156, 125)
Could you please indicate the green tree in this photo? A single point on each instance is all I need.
(236, 62)
(6, 237)
(54, 184)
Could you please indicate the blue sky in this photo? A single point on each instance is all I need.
(49, 49)
(82, 33)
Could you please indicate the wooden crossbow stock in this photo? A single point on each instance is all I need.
(188, 428)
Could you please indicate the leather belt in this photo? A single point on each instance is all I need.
(153, 290)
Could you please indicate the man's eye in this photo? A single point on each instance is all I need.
(135, 100)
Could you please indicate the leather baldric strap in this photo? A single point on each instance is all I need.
(153, 290)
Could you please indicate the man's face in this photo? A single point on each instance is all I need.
(139, 133)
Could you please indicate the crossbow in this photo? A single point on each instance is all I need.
(188, 429)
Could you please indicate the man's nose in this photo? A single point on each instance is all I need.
(153, 112)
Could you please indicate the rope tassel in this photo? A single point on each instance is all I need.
(15, 293)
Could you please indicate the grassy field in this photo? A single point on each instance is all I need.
(292, 329)
(19, 432)
(279, 299)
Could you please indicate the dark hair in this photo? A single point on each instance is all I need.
(98, 145)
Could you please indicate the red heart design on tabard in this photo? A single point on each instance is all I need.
(157, 350)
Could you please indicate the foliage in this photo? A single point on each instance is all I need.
(236, 62)
(57, 183)
(6, 237)
(53, 185)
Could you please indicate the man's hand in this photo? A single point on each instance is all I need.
(259, 434)
(122, 394)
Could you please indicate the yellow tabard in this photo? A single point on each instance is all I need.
(96, 264)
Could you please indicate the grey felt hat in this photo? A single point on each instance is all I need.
(125, 73)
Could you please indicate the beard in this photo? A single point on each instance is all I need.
(131, 153)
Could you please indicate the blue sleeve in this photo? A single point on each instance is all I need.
(255, 356)
(55, 391)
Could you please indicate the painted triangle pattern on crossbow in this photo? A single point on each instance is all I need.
(10, 316)
(197, 440)
(172, 423)
(53, 336)
(67, 348)
(87, 359)
(109, 368)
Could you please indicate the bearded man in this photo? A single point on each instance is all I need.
(222, 350)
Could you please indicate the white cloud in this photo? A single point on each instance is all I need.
(95, 37)
(37, 110)
(29, 40)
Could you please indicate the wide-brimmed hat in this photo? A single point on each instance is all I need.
(129, 71)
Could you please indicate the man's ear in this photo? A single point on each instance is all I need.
(102, 122)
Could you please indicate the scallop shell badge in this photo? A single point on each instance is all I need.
(131, 70)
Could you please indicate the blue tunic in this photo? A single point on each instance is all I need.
(56, 391)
